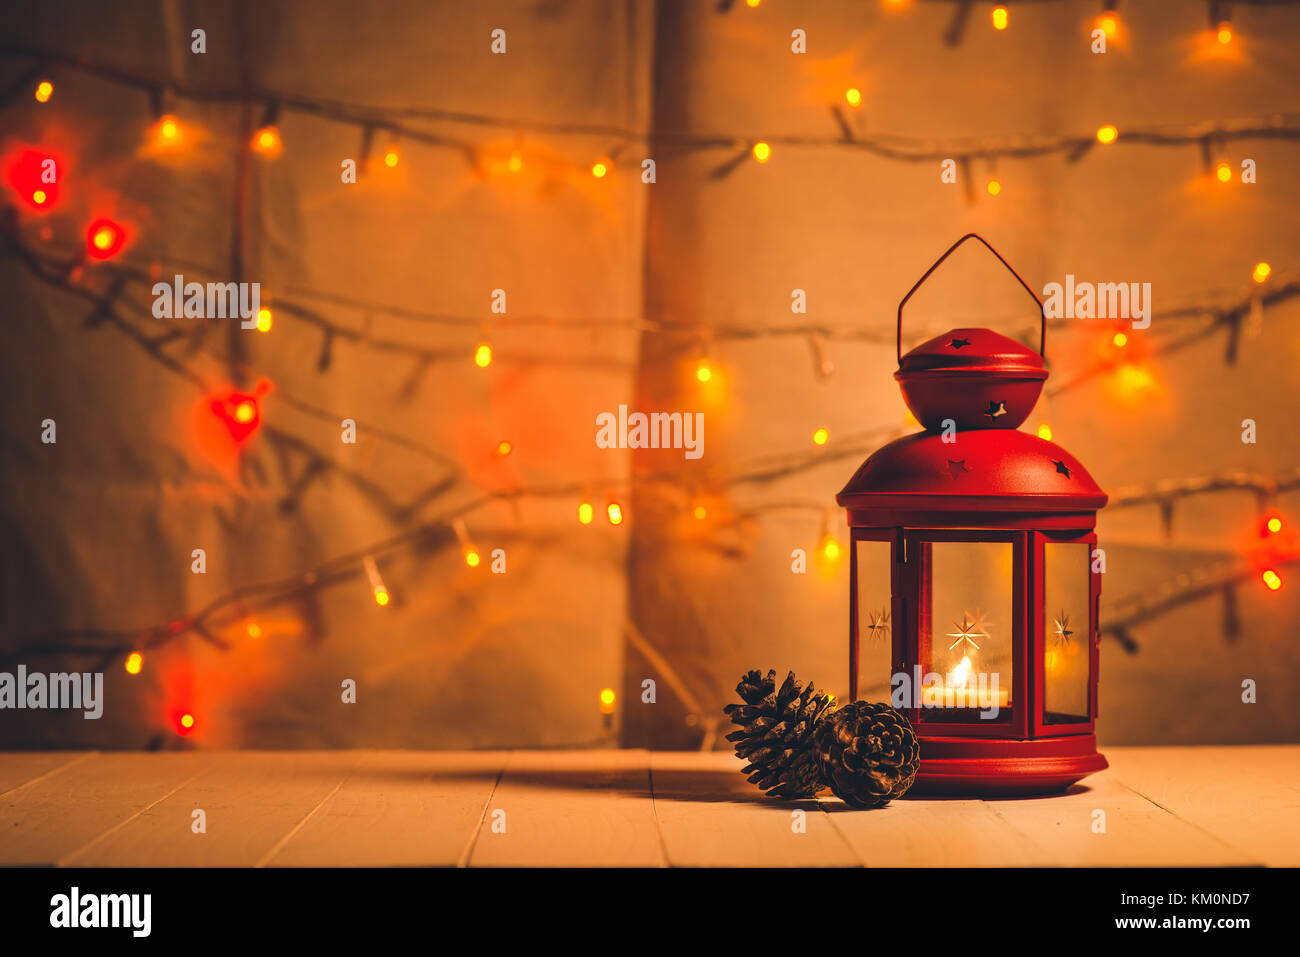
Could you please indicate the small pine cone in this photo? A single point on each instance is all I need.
(777, 731)
(868, 754)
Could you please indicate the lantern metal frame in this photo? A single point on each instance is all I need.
(898, 496)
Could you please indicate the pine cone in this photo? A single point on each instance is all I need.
(867, 753)
(777, 735)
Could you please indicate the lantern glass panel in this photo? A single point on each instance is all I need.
(1067, 655)
(966, 630)
(875, 628)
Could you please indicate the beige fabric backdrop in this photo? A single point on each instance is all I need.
(98, 529)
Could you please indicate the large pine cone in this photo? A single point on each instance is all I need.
(868, 754)
(777, 733)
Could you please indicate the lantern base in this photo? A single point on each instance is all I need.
(996, 767)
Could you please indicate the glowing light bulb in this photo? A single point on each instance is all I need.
(104, 239)
(264, 320)
(1224, 34)
(1120, 339)
(615, 513)
(586, 513)
(1000, 18)
(515, 163)
(821, 436)
(1107, 134)
(1261, 272)
(381, 596)
(703, 372)
(1045, 432)
(607, 701)
(1275, 525)
(1222, 172)
(752, 3)
(134, 663)
(1109, 24)
(185, 723)
(483, 356)
(267, 141)
(762, 152)
(600, 168)
(39, 197)
(167, 131)
(504, 447)
(44, 90)
(391, 157)
(830, 548)
(472, 557)
(995, 187)
(245, 411)
(853, 96)
(254, 630)
(1272, 579)
(700, 512)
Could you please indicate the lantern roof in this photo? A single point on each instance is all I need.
(982, 470)
(973, 351)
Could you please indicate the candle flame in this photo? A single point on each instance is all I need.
(961, 674)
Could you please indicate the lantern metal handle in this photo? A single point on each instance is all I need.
(1042, 315)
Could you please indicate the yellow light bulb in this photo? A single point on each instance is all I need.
(39, 197)
(1272, 580)
(1045, 432)
(504, 447)
(267, 141)
(483, 356)
(1261, 272)
(264, 320)
(103, 238)
(44, 90)
(381, 596)
(254, 630)
(472, 557)
(615, 513)
(1107, 134)
(1224, 34)
(391, 157)
(599, 169)
(1223, 172)
(1120, 339)
(586, 513)
(762, 152)
(854, 97)
(1275, 525)
(700, 512)
(607, 698)
(995, 187)
(1000, 18)
(515, 163)
(752, 3)
(704, 373)
(830, 548)
(134, 663)
(1109, 25)
(187, 720)
(821, 436)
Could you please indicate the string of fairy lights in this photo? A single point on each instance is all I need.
(104, 274)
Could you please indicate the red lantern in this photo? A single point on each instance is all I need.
(974, 582)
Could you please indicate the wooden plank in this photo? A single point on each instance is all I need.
(934, 832)
(63, 812)
(22, 768)
(571, 809)
(709, 815)
(398, 809)
(253, 800)
(1137, 833)
(1248, 797)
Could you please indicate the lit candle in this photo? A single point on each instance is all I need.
(957, 691)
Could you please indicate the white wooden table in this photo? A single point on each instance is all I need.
(1162, 807)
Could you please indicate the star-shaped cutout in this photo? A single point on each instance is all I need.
(995, 409)
(968, 630)
(956, 467)
(878, 624)
(1063, 631)
(1061, 467)
(958, 343)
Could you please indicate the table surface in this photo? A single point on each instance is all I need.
(1162, 807)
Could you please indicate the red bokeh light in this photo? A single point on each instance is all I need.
(185, 722)
(104, 239)
(33, 175)
(240, 412)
